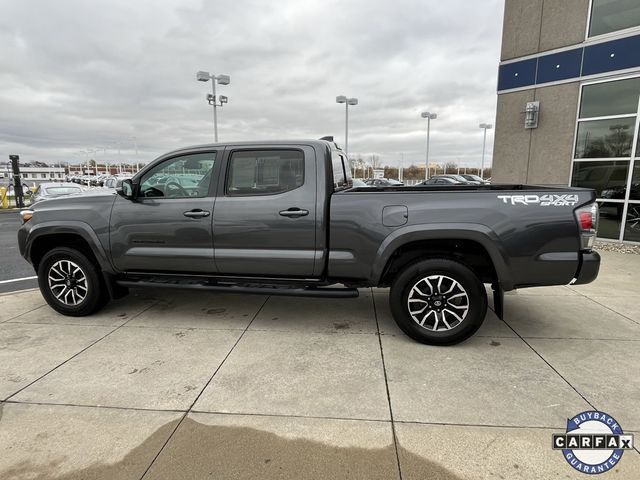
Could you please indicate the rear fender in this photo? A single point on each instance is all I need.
(449, 231)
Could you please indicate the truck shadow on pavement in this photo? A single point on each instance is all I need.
(200, 451)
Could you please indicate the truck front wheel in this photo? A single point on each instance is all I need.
(70, 283)
(438, 301)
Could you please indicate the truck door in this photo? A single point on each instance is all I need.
(265, 217)
(167, 228)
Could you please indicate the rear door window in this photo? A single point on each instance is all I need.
(264, 172)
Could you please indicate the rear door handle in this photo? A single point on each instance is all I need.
(197, 213)
(294, 212)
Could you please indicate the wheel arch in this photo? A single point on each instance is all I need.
(78, 235)
(471, 244)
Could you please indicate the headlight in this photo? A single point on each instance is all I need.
(25, 215)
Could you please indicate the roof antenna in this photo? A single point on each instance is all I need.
(328, 138)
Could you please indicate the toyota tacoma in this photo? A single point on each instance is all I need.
(284, 218)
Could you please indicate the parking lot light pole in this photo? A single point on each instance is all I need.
(429, 116)
(202, 76)
(347, 102)
(485, 127)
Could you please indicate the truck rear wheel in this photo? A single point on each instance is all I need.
(438, 302)
(70, 283)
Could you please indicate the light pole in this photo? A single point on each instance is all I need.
(347, 102)
(485, 127)
(222, 80)
(135, 144)
(429, 116)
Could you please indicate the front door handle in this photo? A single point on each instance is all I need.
(294, 212)
(197, 213)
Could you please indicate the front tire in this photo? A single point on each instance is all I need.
(438, 302)
(70, 283)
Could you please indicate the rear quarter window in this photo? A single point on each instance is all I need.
(341, 171)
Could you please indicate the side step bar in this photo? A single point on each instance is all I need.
(253, 290)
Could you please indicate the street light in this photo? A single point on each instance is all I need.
(429, 116)
(485, 127)
(347, 102)
(212, 99)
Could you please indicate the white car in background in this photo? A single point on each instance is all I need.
(112, 181)
(52, 190)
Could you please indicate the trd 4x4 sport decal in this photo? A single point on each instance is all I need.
(550, 200)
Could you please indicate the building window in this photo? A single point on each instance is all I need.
(606, 158)
(613, 15)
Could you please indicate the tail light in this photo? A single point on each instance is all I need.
(587, 218)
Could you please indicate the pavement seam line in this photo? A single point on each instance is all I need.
(549, 364)
(23, 313)
(80, 352)
(386, 385)
(607, 307)
(186, 413)
(99, 407)
(282, 415)
(556, 371)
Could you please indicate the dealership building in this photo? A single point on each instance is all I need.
(569, 102)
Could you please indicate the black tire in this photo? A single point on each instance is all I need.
(95, 296)
(468, 284)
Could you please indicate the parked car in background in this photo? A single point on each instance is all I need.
(359, 183)
(461, 178)
(442, 180)
(383, 182)
(112, 180)
(473, 178)
(52, 190)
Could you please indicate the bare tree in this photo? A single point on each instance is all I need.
(450, 167)
(374, 160)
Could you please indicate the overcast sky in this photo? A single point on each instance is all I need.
(76, 75)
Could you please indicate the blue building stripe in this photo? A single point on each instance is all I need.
(559, 66)
(606, 57)
(518, 74)
(612, 56)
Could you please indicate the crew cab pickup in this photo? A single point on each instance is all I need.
(283, 218)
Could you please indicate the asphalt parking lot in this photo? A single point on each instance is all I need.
(166, 384)
(15, 272)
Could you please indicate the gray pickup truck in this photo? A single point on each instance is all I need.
(283, 218)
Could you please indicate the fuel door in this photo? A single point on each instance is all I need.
(395, 215)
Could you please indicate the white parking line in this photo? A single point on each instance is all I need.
(16, 280)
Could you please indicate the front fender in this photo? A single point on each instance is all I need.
(449, 231)
(73, 227)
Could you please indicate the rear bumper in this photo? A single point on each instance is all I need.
(589, 267)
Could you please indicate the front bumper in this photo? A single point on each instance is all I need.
(589, 268)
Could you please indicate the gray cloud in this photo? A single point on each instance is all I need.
(77, 75)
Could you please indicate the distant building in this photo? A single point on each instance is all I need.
(32, 175)
(568, 103)
(101, 168)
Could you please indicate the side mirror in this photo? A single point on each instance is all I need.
(125, 189)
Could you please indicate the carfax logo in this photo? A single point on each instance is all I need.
(593, 443)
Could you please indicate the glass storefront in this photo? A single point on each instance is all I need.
(607, 154)
(612, 15)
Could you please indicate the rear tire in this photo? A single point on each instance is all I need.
(70, 283)
(438, 302)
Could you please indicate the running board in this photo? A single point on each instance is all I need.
(254, 289)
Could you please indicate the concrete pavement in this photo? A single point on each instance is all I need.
(166, 384)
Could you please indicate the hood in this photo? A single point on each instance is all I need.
(88, 198)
